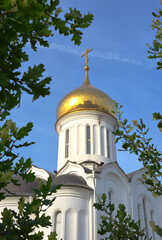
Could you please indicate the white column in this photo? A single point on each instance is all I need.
(59, 152)
(113, 147)
(97, 140)
(105, 141)
(102, 141)
(77, 139)
(81, 139)
(84, 139)
(61, 156)
(111, 144)
(73, 141)
(92, 139)
(63, 225)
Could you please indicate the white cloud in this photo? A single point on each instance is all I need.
(97, 54)
(114, 56)
(63, 48)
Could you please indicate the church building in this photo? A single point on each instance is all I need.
(87, 167)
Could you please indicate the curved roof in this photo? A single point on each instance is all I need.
(70, 180)
(25, 189)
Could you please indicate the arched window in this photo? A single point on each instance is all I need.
(139, 213)
(145, 216)
(108, 142)
(110, 196)
(67, 143)
(110, 199)
(88, 139)
(58, 223)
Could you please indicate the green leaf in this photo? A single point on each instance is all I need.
(21, 205)
(135, 123)
(58, 11)
(52, 236)
(156, 228)
(6, 176)
(7, 217)
(24, 131)
(156, 116)
(12, 126)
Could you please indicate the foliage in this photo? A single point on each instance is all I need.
(120, 226)
(134, 139)
(21, 225)
(22, 23)
(158, 117)
(10, 138)
(156, 228)
(31, 22)
(156, 50)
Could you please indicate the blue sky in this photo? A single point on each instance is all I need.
(118, 66)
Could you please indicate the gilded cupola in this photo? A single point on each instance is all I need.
(84, 98)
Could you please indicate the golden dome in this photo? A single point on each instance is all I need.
(85, 97)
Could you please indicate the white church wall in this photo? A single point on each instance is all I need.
(61, 148)
(113, 179)
(77, 122)
(80, 139)
(113, 152)
(10, 203)
(145, 206)
(73, 134)
(114, 183)
(71, 224)
(83, 223)
(74, 205)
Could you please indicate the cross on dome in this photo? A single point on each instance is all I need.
(85, 98)
(86, 54)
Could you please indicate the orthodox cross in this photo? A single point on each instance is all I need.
(86, 53)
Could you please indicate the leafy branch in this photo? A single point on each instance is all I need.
(134, 140)
(30, 215)
(21, 224)
(9, 136)
(155, 50)
(119, 226)
(24, 22)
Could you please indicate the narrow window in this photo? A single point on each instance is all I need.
(67, 143)
(58, 221)
(152, 219)
(88, 138)
(110, 196)
(139, 216)
(145, 216)
(108, 142)
(110, 200)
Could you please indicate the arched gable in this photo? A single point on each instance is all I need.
(72, 168)
(112, 179)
